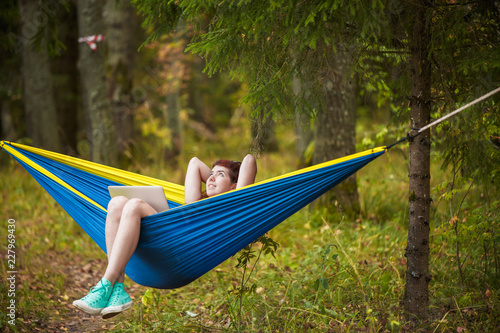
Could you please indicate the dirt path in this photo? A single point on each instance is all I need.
(54, 311)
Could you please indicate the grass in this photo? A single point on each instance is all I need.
(329, 273)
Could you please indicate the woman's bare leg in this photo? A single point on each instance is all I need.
(115, 208)
(123, 227)
(122, 236)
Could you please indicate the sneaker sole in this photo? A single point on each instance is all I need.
(112, 311)
(86, 308)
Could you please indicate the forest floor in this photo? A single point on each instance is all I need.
(55, 312)
(51, 271)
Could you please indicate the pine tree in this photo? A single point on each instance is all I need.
(101, 130)
(446, 52)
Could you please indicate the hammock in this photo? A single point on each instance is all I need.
(179, 245)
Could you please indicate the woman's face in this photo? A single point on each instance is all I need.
(219, 181)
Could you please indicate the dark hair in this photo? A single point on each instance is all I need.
(232, 166)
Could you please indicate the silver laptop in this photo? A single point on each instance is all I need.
(153, 195)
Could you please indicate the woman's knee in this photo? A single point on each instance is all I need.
(133, 204)
(116, 204)
(137, 207)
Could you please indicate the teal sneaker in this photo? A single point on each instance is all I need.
(118, 301)
(96, 299)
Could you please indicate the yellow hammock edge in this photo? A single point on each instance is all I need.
(173, 191)
(314, 167)
(328, 163)
(48, 174)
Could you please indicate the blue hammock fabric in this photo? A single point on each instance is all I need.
(180, 245)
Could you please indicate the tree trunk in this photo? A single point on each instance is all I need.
(10, 77)
(336, 128)
(175, 69)
(304, 135)
(172, 114)
(197, 91)
(38, 91)
(121, 25)
(7, 128)
(416, 299)
(197, 80)
(100, 129)
(66, 79)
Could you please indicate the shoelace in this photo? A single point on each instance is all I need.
(92, 291)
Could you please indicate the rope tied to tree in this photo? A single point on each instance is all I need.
(410, 137)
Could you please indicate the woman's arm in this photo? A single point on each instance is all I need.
(248, 170)
(197, 172)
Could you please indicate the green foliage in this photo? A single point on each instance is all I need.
(160, 16)
(9, 18)
(470, 233)
(469, 146)
(266, 44)
(245, 257)
(466, 65)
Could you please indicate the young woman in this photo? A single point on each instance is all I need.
(108, 298)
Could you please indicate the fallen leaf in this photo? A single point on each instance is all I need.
(488, 293)
(191, 314)
(461, 329)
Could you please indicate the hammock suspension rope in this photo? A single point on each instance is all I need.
(410, 137)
